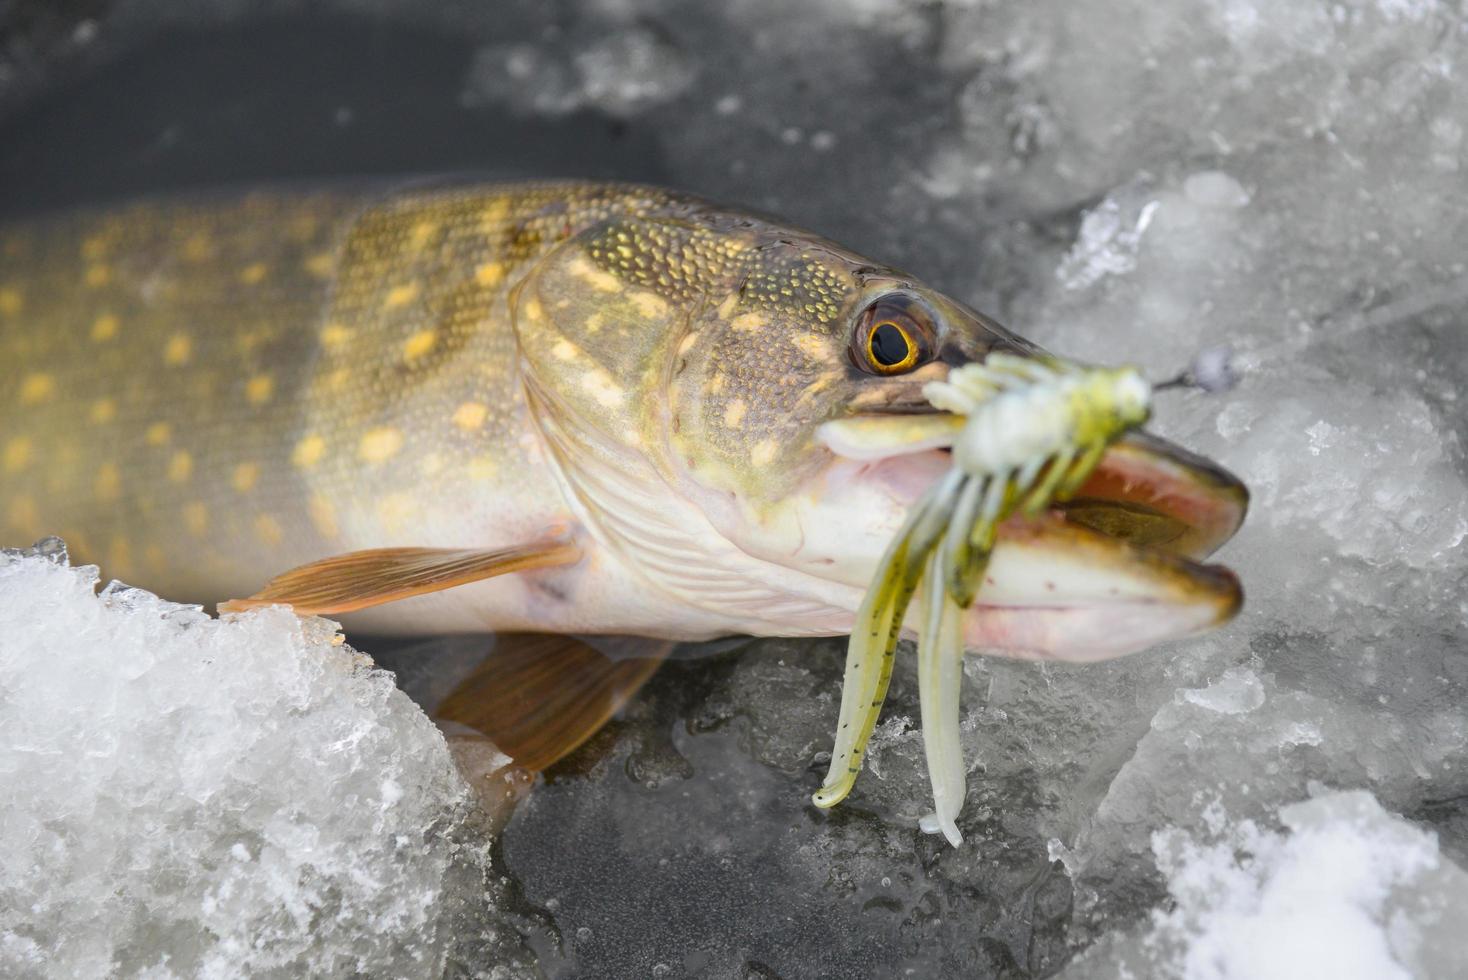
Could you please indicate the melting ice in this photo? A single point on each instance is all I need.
(190, 797)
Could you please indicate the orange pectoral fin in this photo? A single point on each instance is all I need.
(360, 579)
(539, 696)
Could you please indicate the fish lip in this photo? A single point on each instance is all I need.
(1057, 590)
(1145, 490)
(1146, 476)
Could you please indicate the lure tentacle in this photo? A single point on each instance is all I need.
(1035, 430)
(940, 678)
(874, 638)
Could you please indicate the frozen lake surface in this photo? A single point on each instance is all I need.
(1122, 181)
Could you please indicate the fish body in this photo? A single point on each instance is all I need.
(200, 392)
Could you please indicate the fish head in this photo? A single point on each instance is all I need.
(753, 397)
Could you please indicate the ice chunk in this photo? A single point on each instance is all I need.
(1107, 244)
(1236, 692)
(195, 797)
(1350, 892)
(621, 70)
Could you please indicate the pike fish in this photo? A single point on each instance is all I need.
(548, 408)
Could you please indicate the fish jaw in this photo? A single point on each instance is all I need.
(1055, 590)
(1111, 573)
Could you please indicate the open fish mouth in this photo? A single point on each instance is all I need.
(1053, 531)
(1114, 569)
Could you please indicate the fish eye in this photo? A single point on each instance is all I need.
(894, 334)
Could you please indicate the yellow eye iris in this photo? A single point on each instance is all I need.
(894, 334)
(890, 348)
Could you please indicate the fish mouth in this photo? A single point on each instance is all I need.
(1113, 570)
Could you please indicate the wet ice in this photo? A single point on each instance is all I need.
(192, 797)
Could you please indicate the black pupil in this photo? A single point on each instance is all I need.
(889, 344)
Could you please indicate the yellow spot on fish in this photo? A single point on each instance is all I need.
(716, 384)
(595, 322)
(481, 468)
(245, 476)
(267, 530)
(197, 248)
(180, 467)
(734, 413)
(396, 511)
(533, 309)
(600, 386)
(37, 388)
(254, 273)
(421, 234)
(813, 347)
(11, 301)
(419, 344)
(470, 415)
(98, 274)
(686, 343)
(334, 335)
(105, 327)
(108, 483)
(103, 410)
(400, 296)
(178, 350)
(582, 268)
(764, 452)
(749, 322)
(380, 444)
(157, 433)
(196, 518)
(337, 380)
(650, 305)
(320, 264)
(17, 454)
(495, 212)
(308, 451)
(489, 275)
(258, 389)
(22, 514)
(323, 515)
(564, 350)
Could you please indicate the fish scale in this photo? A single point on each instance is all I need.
(377, 317)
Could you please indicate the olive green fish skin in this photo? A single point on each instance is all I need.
(198, 393)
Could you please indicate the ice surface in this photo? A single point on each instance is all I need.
(186, 797)
(1350, 892)
(1121, 180)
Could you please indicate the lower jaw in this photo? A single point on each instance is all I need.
(1083, 633)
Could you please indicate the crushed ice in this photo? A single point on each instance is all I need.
(191, 797)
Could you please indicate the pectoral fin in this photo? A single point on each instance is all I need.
(359, 579)
(539, 696)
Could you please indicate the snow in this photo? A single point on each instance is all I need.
(1122, 181)
(1349, 891)
(192, 797)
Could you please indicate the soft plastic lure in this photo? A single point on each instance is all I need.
(1035, 430)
